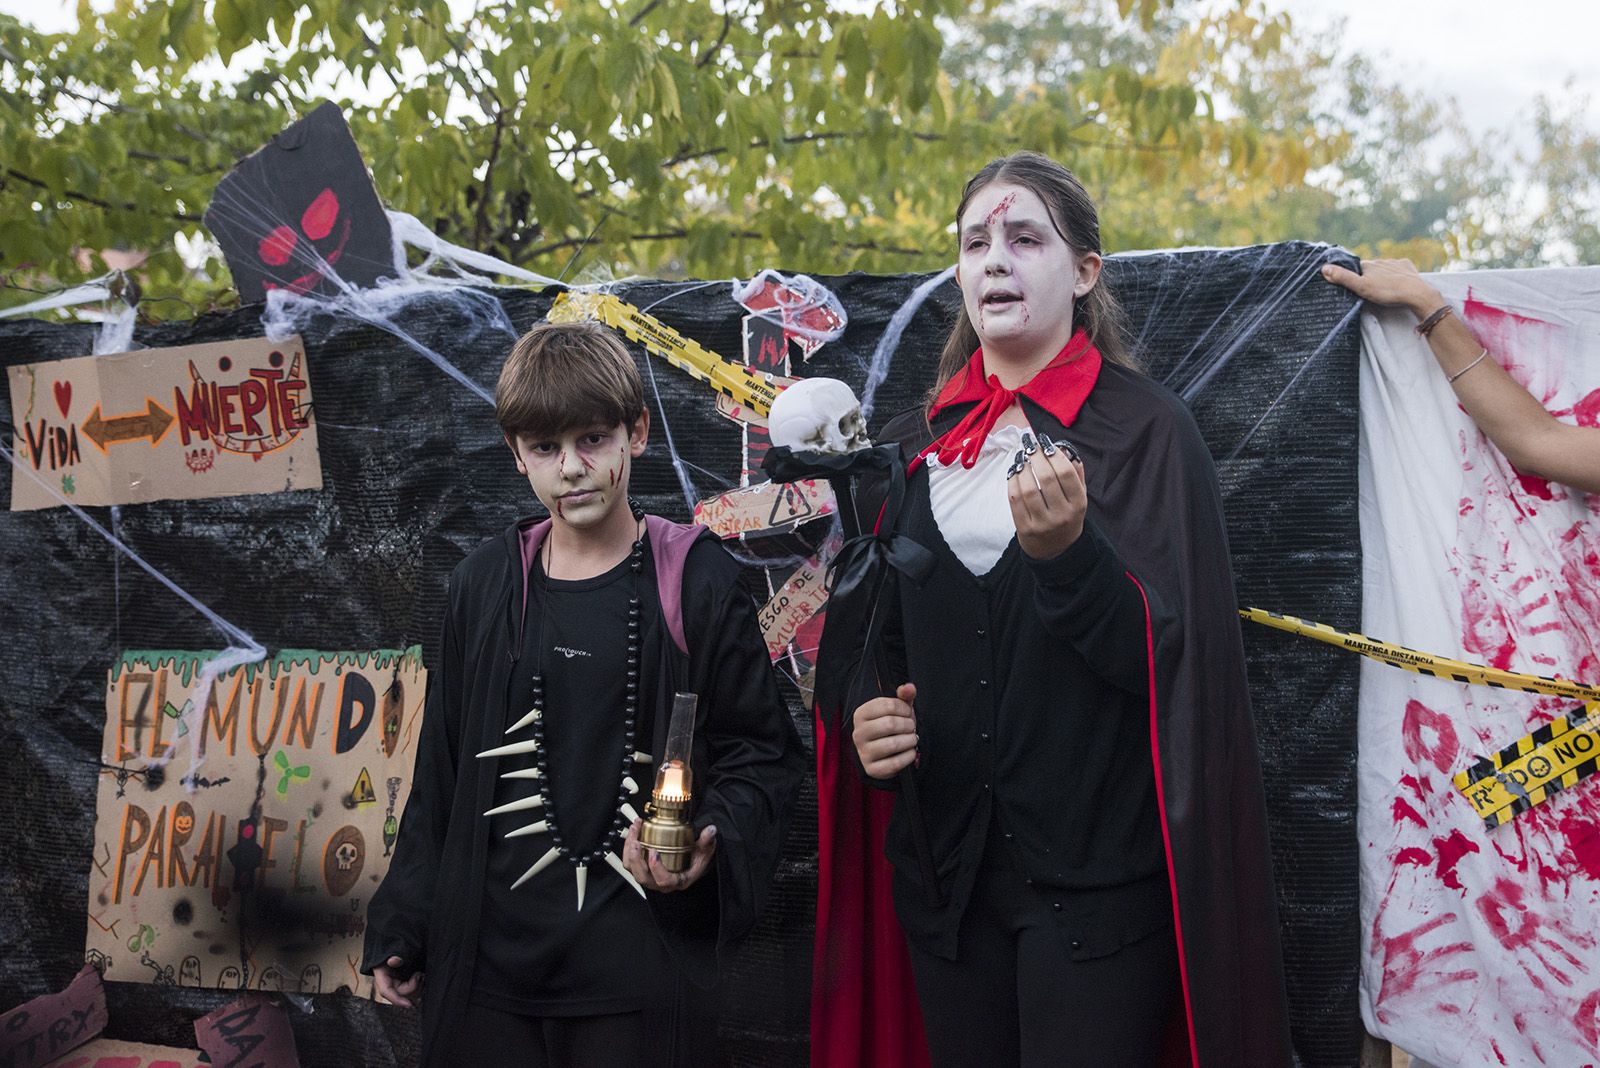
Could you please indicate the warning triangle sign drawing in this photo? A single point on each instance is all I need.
(362, 793)
(792, 505)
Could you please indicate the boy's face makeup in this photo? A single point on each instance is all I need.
(581, 475)
(1019, 277)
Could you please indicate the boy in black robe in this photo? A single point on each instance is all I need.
(518, 883)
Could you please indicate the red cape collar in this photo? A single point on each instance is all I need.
(1060, 388)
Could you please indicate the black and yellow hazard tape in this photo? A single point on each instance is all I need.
(1534, 768)
(744, 385)
(1439, 667)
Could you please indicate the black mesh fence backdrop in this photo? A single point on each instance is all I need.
(415, 475)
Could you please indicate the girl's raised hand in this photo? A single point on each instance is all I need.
(1048, 496)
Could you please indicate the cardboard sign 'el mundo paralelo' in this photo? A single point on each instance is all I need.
(239, 836)
(217, 420)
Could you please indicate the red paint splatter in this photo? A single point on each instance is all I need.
(1000, 209)
(1502, 907)
(1406, 967)
(1413, 855)
(1588, 1019)
(1444, 748)
(1451, 850)
(1418, 785)
(587, 466)
(1586, 412)
(1403, 811)
(1485, 629)
(1496, 1047)
(1583, 843)
(1535, 486)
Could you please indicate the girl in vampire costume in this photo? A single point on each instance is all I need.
(1088, 880)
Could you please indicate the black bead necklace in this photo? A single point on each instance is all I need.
(619, 825)
(607, 850)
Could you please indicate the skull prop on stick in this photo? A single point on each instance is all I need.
(818, 415)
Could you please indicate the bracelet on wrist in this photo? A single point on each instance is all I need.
(1425, 327)
(1481, 357)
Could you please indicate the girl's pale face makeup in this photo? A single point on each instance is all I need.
(1019, 277)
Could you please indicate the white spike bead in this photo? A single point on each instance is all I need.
(532, 828)
(629, 785)
(627, 810)
(643, 758)
(517, 806)
(538, 866)
(622, 870)
(525, 720)
(581, 874)
(511, 750)
(524, 773)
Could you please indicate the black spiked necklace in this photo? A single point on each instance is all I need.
(610, 846)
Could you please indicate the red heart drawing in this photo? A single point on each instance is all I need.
(63, 397)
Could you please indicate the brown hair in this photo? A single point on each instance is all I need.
(567, 376)
(1074, 217)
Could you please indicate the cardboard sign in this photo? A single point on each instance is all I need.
(217, 420)
(110, 1053)
(41, 1030)
(301, 213)
(765, 508)
(796, 601)
(238, 839)
(251, 1032)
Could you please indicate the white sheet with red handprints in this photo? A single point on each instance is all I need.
(1479, 947)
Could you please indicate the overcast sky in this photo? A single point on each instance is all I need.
(1493, 57)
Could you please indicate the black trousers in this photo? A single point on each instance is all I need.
(1021, 993)
(495, 1039)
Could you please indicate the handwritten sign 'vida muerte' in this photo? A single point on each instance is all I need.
(239, 836)
(217, 420)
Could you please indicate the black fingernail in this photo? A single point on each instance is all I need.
(1046, 446)
(1027, 443)
(1072, 453)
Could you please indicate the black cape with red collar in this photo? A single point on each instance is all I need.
(1153, 491)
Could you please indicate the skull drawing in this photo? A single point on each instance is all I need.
(818, 415)
(345, 855)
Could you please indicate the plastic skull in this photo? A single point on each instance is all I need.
(820, 415)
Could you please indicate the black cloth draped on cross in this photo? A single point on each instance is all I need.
(1153, 496)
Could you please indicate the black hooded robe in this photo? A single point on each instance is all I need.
(747, 755)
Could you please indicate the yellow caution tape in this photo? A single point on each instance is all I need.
(1439, 667)
(1525, 773)
(742, 384)
(1534, 768)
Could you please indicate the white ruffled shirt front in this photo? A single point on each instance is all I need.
(970, 505)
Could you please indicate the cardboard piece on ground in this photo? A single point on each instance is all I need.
(39, 1031)
(301, 212)
(765, 508)
(190, 885)
(251, 1031)
(218, 420)
(111, 1053)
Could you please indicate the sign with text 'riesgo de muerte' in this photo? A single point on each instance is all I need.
(217, 420)
(240, 835)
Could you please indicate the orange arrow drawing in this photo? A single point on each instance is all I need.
(151, 423)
